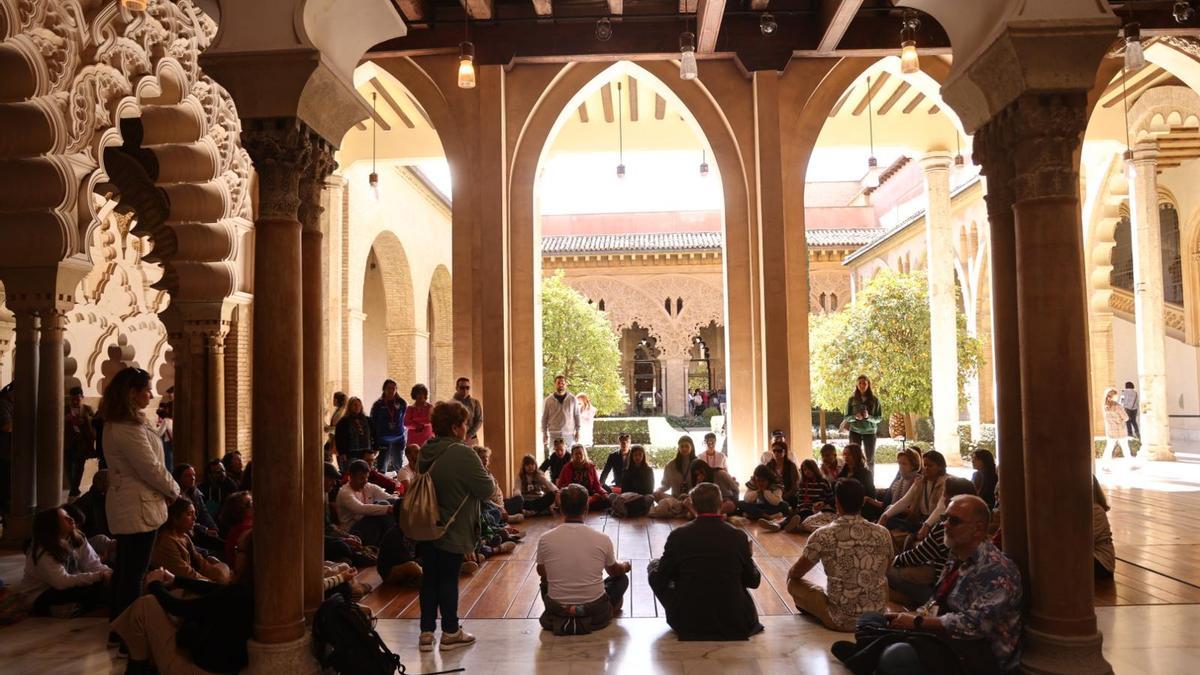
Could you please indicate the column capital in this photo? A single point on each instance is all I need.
(312, 182)
(281, 148)
(1144, 153)
(1045, 131)
(43, 289)
(937, 160)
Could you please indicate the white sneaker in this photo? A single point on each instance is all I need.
(768, 525)
(425, 643)
(455, 640)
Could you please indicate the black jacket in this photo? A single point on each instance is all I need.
(701, 581)
(616, 465)
(216, 625)
(638, 480)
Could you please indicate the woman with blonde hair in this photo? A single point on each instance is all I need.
(353, 433)
(1115, 430)
(587, 420)
(139, 486)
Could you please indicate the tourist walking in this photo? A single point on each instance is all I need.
(387, 427)
(462, 394)
(862, 417)
(560, 414)
(1115, 431)
(1129, 401)
(139, 486)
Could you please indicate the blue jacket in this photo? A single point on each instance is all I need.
(387, 427)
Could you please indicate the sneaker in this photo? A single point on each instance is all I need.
(425, 642)
(506, 547)
(468, 568)
(455, 640)
(406, 573)
(516, 517)
(768, 525)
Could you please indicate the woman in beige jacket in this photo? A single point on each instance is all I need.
(1115, 431)
(139, 486)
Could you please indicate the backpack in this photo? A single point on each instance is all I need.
(419, 516)
(345, 640)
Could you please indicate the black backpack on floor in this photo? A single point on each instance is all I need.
(346, 642)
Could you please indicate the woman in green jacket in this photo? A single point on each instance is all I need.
(862, 418)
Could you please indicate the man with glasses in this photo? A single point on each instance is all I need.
(462, 394)
(974, 614)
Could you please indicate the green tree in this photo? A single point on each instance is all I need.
(577, 341)
(884, 334)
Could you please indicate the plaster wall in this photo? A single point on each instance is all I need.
(1183, 387)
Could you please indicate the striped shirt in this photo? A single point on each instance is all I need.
(930, 551)
(813, 491)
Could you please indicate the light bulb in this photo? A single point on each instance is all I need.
(373, 181)
(1135, 59)
(466, 65)
(871, 180)
(767, 24)
(704, 169)
(134, 5)
(604, 29)
(909, 61)
(620, 171)
(687, 57)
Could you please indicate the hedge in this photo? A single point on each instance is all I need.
(605, 432)
(656, 455)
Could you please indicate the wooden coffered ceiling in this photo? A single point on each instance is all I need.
(560, 30)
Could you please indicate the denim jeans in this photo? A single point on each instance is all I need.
(439, 587)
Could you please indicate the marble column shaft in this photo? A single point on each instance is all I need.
(943, 303)
(214, 344)
(1061, 631)
(184, 449)
(24, 434)
(1149, 310)
(281, 149)
(675, 399)
(992, 153)
(51, 406)
(313, 378)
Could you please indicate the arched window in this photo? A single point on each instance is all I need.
(601, 304)
(833, 302)
(1168, 219)
(821, 301)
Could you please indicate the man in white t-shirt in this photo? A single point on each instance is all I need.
(571, 560)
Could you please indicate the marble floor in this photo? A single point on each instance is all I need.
(1158, 640)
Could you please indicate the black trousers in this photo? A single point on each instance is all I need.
(73, 463)
(439, 587)
(867, 441)
(87, 597)
(133, 557)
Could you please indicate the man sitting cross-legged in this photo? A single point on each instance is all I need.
(702, 577)
(855, 554)
(365, 509)
(571, 560)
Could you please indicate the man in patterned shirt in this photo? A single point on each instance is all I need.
(915, 571)
(855, 554)
(978, 597)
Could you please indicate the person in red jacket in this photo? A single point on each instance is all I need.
(581, 471)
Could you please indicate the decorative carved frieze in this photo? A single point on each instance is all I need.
(313, 181)
(1046, 130)
(281, 149)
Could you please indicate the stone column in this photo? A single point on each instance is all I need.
(1148, 302)
(24, 435)
(196, 406)
(281, 149)
(181, 442)
(943, 304)
(51, 403)
(992, 153)
(1061, 634)
(313, 378)
(675, 398)
(214, 343)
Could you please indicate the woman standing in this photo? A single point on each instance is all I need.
(1115, 430)
(587, 420)
(353, 433)
(139, 487)
(863, 413)
(335, 416)
(416, 416)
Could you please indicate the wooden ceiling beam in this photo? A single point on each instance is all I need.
(633, 99)
(414, 11)
(543, 7)
(478, 9)
(880, 80)
(606, 100)
(660, 107)
(583, 115)
(836, 16)
(387, 98)
(687, 6)
(759, 5)
(900, 91)
(417, 106)
(837, 107)
(709, 14)
(912, 105)
(616, 7)
(1133, 85)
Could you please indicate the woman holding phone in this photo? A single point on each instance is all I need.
(863, 413)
